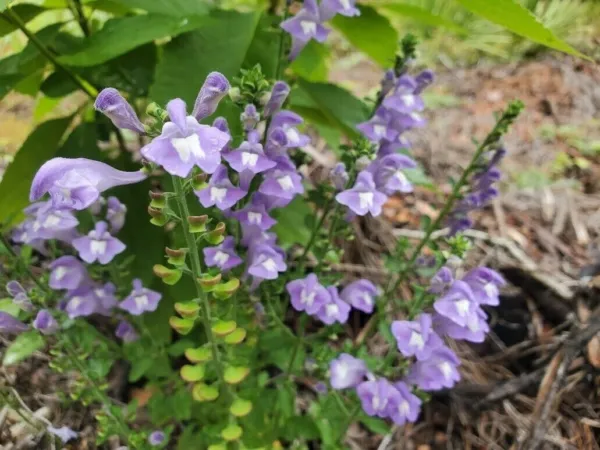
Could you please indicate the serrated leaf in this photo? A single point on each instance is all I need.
(518, 19)
(235, 374)
(371, 33)
(421, 15)
(240, 407)
(123, 34)
(40, 146)
(22, 347)
(192, 373)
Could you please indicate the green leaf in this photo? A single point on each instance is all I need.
(224, 327)
(189, 58)
(176, 8)
(139, 368)
(122, 35)
(421, 15)
(371, 33)
(235, 374)
(192, 373)
(340, 107)
(516, 18)
(240, 407)
(8, 306)
(23, 347)
(375, 425)
(25, 11)
(40, 146)
(291, 223)
(311, 63)
(232, 432)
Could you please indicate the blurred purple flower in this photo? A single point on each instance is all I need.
(156, 438)
(377, 397)
(304, 26)
(115, 214)
(335, 310)
(126, 332)
(437, 372)
(361, 295)
(64, 433)
(220, 191)
(308, 294)
(417, 337)
(250, 117)
(222, 256)
(330, 8)
(339, 176)
(278, 96)
(441, 281)
(346, 371)
(99, 245)
(458, 304)
(484, 283)
(140, 300)
(10, 324)
(407, 407)
(81, 302)
(67, 272)
(45, 323)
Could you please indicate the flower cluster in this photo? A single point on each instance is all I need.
(398, 112)
(308, 23)
(482, 191)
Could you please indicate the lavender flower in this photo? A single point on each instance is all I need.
(249, 157)
(98, 245)
(288, 122)
(423, 80)
(77, 183)
(416, 338)
(304, 26)
(19, 295)
(67, 273)
(156, 438)
(250, 117)
(53, 223)
(407, 407)
(436, 372)
(361, 295)
(330, 8)
(265, 262)
(484, 283)
(81, 302)
(379, 127)
(278, 96)
(115, 214)
(255, 214)
(105, 298)
(213, 90)
(126, 332)
(388, 173)
(184, 143)
(308, 294)
(346, 371)
(222, 256)
(220, 191)
(377, 397)
(363, 197)
(403, 99)
(335, 310)
(441, 281)
(45, 323)
(140, 300)
(10, 324)
(64, 433)
(110, 103)
(474, 331)
(282, 185)
(339, 176)
(458, 304)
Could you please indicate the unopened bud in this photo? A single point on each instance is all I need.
(158, 217)
(169, 276)
(197, 224)
(153, 110)
(235, 94)
(199, 181)
(157, 200)
(215, 237)
(176, 257)
(208, 282)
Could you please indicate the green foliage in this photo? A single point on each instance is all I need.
(421, 14)
(23, 347)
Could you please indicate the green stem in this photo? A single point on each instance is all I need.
(299, 344)
(197, 272)
(348, 422)
(83, 85)
(80, 16)
(17, 259)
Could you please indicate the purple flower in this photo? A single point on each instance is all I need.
(346, 371)
(403, 99)
(277, 143)
(53, 223)
(212, 91)
(474, 331)
(156, 438)
(184, 143)
(255, 214)
(110, 103)
(388, 82)
(416, 338)
(441, 281)
(335, 310)
(407, 407)
(321, 388)
(282, 184)
(222, 256)
(330, 8)
(67, 273)
(361, 295)
(10, 324)
(220, 191)
(388, 173)
(339, 176)
(278, 96)
(387, 147)
(250, 117)
(64, 433)
(458, 304)
(140, 300)
(308, 294)
(379, 127)
(265, 262)
(77, 183)
(377, 396)
(14, 288)
(249, 157)
(437, 372)
(98, 245)
(115, 214)
(423, 80)
(288, 121)
(304, 26)
(96, 207)
(484, 283)
(363, 197)
(45, 323)
(126, 332)
(220, 123)
(81, 302)
(19, 295)
(105, 298)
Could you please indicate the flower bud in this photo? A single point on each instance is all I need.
(112, 104)
(199, 181)
(213, 90)
(181, 325)
(157, 200)
(215, 237)
(176, 257)
(158, 217)
(197, 224)
(153, 110)
(169, 276)
(235, 94)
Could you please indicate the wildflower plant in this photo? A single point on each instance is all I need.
(202, 254)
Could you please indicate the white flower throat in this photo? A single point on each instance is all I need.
(365, 199)
(97, 247)
(249, 159)
(187, 147)
(308, 28)
(217, 194)
(254, 218)
(286, 183)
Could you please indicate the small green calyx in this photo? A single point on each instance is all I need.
(197, 224)
(216, 236)
(209, 282)
(226, 290)
(157, 200)
(192, 373)
(198, 355)
(224, 327)
(236, 337)
(235, 374)
(204, 393)
(158, 218)
(154, 110)
(181, 325)
(199, 181)
(187, 309)
(240, 407)
(168, 276)
(232, 433)
(176, 257)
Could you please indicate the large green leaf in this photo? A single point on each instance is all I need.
(371, 33)
(122, 35)
(23, 347)
(40, 146)
(176, 8)
(340, 107)
(516, 18)
(421, 15)
(311, 63)
(291, 225)
(25, 11)
(214, 46)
